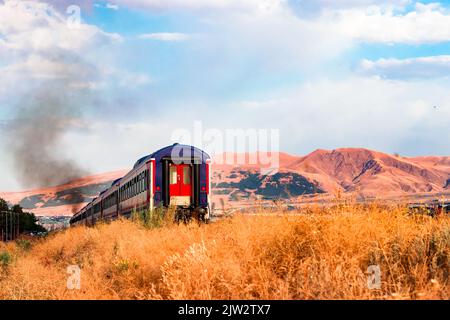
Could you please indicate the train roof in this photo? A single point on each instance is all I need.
(115, 181)
(180, 150)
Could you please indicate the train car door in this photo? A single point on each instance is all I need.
(180, 186)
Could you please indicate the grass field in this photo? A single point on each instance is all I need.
(320, 254)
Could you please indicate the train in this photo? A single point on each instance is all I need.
(177, 176)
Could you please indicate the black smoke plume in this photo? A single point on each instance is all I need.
(41, 120)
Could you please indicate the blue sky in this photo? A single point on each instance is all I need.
(327, 74)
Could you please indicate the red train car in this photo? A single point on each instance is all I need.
(177, 175)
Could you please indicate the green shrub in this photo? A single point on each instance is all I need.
(155, 218)
(25, 245)
(5, 259)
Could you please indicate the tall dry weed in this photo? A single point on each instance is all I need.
(323, 253)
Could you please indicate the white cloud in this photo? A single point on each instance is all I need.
(310, 8)
(251, 5)
(99, 139)
(39, 43)
(412, 68)
(107, 5)
(165, 36)
(275, 38)
(112, 6)
(29, 25)
(353, 3)
(425, 24)
(372, 21)
(258, 5)
(39, 67)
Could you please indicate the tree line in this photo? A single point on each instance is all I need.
(14, 221)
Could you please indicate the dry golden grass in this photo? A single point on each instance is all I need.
(322, 254)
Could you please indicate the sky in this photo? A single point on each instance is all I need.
(325, 73)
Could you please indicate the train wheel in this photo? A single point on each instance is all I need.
(182, 216)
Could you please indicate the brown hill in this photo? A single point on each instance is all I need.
(64, 199)
(373, 173)
(350, 170)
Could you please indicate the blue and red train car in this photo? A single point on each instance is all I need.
(177, 175)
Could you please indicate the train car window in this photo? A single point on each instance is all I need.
(135, 186)
(173, 175)
(138, 184)
(145, 180)
(187, 175)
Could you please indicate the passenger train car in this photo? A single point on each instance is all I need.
(177, 175)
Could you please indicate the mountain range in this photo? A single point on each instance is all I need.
(355, 171)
